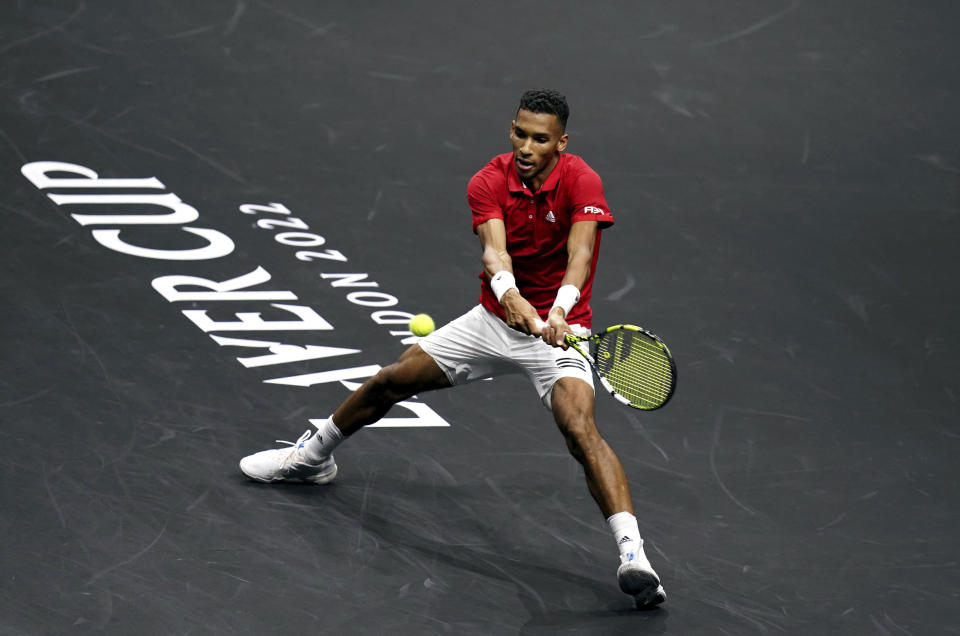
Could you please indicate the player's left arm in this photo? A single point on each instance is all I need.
(580, 246)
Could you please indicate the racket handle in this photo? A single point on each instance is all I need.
(541, 325)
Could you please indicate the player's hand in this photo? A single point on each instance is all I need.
(555, 329)
(520, 313)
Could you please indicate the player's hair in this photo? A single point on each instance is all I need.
(546, 101)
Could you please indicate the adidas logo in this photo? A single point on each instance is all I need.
(625, 539)
(550, 217)
(570, 363)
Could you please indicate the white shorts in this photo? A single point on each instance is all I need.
(478, 345)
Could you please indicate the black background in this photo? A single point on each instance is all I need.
(784, 177)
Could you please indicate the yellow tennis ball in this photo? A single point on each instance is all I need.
(421, 324)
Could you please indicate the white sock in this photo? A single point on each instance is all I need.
(623, 525)
(321, 445)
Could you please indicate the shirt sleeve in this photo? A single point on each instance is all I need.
(589, 202)
(483, 202)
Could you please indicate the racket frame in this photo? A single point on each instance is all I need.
(576, 341)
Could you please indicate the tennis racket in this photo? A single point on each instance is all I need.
(633, 365)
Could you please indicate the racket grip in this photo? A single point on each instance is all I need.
(541, 325)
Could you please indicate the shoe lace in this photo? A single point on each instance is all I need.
(296, 453)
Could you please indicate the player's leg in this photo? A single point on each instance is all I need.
(311, 457)
(462, 351)
(414, 372)
(573, 410)
(572, 403)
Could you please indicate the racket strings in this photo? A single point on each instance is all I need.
(636, 366)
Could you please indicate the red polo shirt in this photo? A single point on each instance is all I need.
(537, 226)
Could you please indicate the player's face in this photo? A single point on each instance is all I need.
(538, 139)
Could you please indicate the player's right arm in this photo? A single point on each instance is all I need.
(520, 314)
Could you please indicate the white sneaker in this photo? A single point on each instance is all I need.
(637, 578)
(288, 464)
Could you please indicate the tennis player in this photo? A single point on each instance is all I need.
(539, 213)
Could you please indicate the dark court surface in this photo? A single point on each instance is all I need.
(786, 181)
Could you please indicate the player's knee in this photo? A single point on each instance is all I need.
(388, 386)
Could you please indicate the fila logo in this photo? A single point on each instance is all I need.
(550, 217)
(592, 209)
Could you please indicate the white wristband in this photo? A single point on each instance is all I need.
(567, 297)
(502, 282)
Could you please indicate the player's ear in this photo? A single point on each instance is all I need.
(562, 144)
(513, 126)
